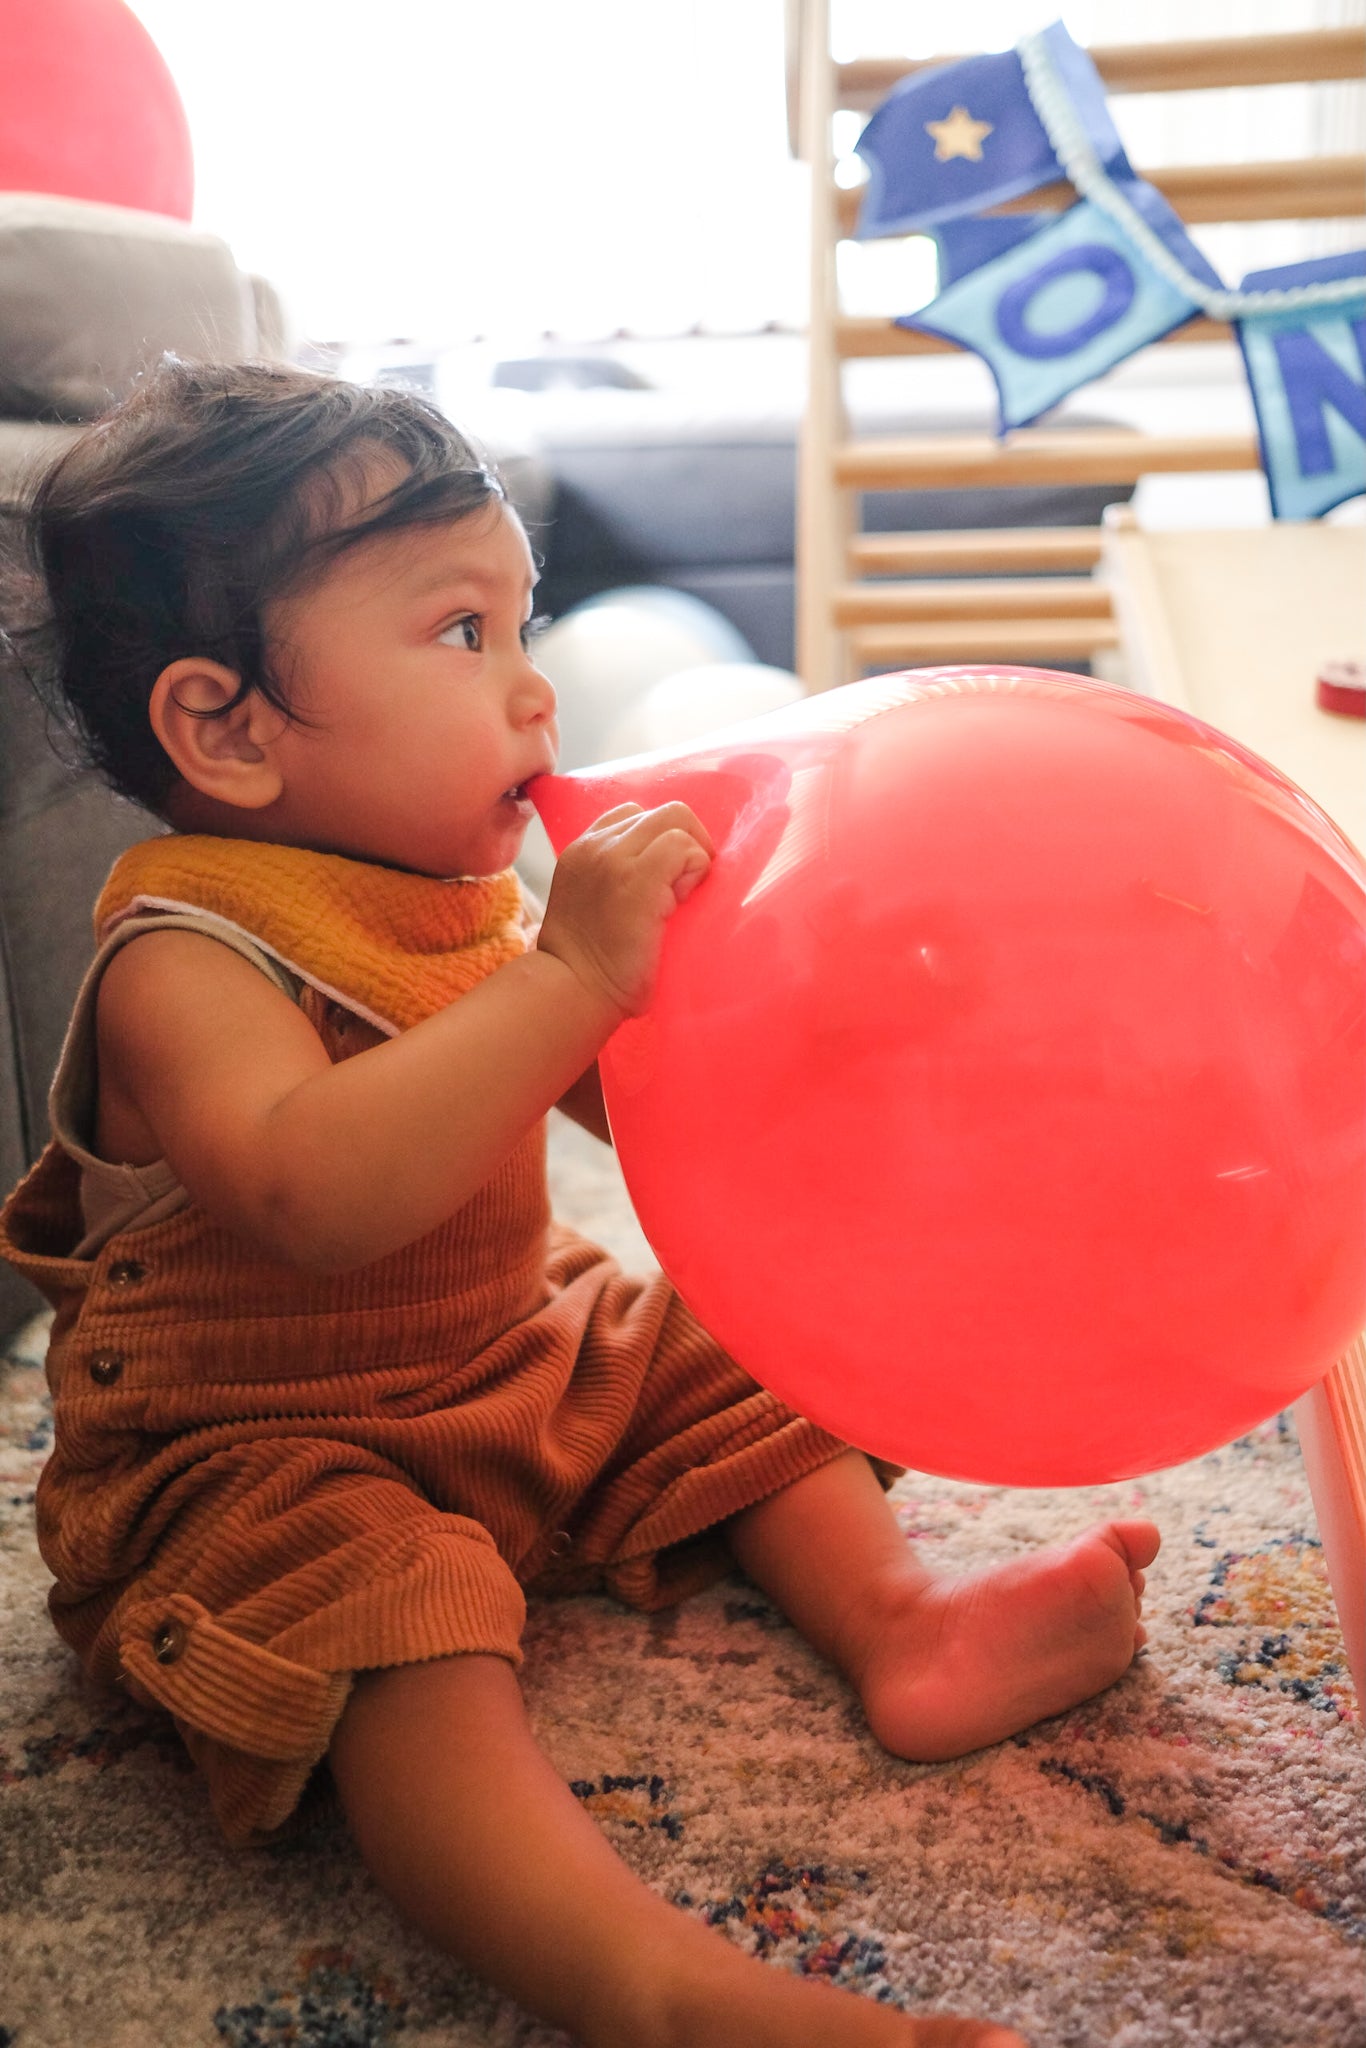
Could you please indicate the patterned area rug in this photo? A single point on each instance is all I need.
(1181, 1861)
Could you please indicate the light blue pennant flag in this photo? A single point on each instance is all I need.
(962, 137)
(1069, 301)
(1306, 365)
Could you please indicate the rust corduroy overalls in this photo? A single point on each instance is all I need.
(265, 1480)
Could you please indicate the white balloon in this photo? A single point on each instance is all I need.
(604, 654)
(697, 701)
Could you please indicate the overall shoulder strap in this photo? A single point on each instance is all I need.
(71, 1100)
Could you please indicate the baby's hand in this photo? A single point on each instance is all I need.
(614, 888)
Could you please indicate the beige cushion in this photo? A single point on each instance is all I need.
(90, 294)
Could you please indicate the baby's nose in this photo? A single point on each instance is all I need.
(542, 694)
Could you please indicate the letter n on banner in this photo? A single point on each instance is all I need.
(1307, 370)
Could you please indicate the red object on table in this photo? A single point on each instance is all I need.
(1342, 687)
(88, 108)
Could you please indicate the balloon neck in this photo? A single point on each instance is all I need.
(568, 804)
(720, 790)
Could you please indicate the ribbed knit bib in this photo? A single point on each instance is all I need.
(391, 946)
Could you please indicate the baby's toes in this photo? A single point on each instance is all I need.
(1140, 1542)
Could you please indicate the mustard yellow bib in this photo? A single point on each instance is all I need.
(391, 946)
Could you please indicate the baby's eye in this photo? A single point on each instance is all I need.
(534, 628)
(466, 632)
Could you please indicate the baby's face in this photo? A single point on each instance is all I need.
(426, 715)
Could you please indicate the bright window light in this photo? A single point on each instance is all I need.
(446, 168)
(449, 169)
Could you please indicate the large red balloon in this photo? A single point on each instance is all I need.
(88, 108)
(1002, 1104)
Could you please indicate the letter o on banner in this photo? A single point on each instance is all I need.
(1117, 295)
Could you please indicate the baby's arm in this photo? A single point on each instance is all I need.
(582, 1100)
(331, 1166)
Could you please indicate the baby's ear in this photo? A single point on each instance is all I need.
(225, 753)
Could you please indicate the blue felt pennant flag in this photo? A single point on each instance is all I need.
(949, 141)
(961, 137)
(1307, 370)
(1066, 303)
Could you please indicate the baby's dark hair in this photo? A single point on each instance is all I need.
(210, 490)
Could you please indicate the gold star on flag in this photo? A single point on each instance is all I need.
(959, 135)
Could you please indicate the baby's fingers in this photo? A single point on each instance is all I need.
(685, 883)
(668, 819)
(674, 855)
(634, 830)
(695, 861)
(620, 814)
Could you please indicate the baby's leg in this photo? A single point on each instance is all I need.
(942, 1665)
(477, 1840)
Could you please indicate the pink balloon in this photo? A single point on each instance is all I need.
(1002, 1104)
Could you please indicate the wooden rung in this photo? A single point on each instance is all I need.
(1298, 58)
(1296, 188)
(969, 600)
(1303, 188)
(1014, 640)
(858, 334)
(974, 549)
(1036, 455)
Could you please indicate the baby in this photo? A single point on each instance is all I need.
(332, 1391)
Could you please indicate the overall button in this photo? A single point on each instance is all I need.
(124, 1272)
(106, 1366)
(169, 1641)
(561, 1543)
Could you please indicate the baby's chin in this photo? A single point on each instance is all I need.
(492, 854)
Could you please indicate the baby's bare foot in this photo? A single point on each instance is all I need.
(960, 1663)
